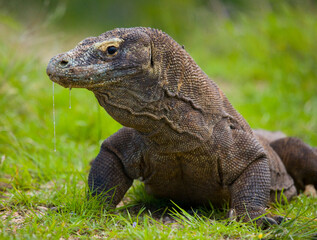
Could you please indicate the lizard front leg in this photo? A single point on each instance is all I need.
(111, 176)
(250, 193)
(244, 168)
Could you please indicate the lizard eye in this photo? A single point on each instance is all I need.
(111, 50)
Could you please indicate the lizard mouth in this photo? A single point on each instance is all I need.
(80, 82)
(67, 74)
(90, 77)
(80, 77)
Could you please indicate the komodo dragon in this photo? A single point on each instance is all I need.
(181, 135)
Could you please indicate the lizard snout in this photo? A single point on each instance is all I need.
(56, 63)
(64, 63)
(56, 68)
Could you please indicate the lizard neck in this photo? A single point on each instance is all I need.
(170, 117)
(166, 128)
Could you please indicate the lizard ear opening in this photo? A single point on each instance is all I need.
(151, 52)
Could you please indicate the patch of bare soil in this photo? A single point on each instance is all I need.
(16, 219)
(5, 185)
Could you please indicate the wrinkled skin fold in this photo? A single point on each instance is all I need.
(181, 135)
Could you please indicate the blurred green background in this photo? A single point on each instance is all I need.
(263, 55)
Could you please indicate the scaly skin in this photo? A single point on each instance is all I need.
(181, 134)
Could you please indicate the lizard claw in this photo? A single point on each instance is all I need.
(232, 214)
(280, 219)
(266, 222)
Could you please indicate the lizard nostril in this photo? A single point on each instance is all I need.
(63, 63)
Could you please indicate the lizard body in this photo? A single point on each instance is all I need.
(181, 135)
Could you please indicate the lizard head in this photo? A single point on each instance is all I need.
(144, 80)
(98, 62)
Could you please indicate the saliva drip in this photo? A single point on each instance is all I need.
(54, 120)
(70, 98)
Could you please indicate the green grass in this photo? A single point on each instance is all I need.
(266, 64)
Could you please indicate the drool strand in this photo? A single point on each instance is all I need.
(54, 122)
(70, 99)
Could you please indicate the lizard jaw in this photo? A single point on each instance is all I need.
(69, 76)
(79, 77)
(90, 77)
(98, 75)
(88, 83)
